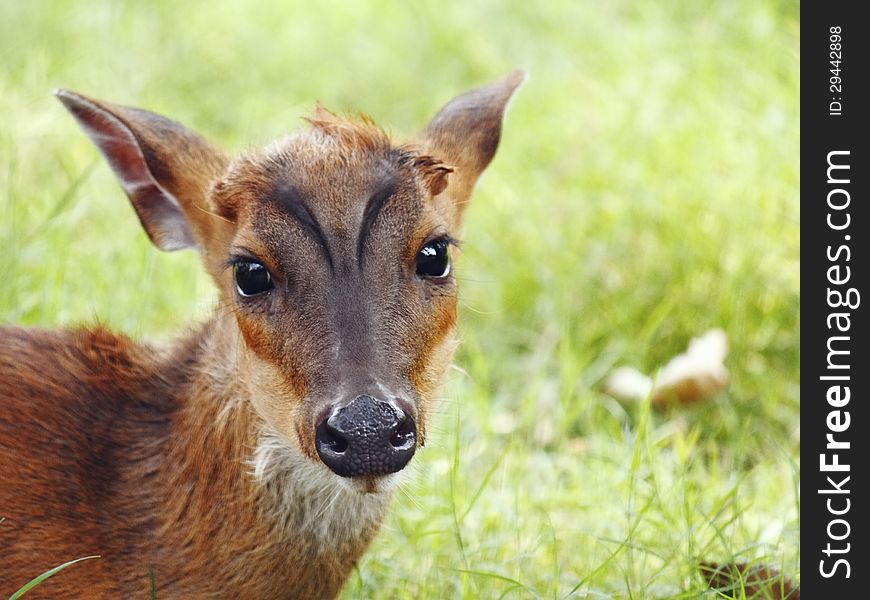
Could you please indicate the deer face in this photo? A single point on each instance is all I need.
(334, 249)
(340, 279)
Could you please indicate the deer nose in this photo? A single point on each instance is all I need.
(366, 437)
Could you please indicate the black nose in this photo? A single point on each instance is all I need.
(366, 437)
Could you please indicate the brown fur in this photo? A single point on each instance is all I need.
(195, 462)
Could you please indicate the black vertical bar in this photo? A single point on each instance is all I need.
(835, 223)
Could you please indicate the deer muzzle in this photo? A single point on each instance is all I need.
(367, 437)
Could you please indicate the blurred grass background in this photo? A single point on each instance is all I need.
(646, 190)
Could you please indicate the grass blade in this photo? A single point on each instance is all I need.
(37, 580)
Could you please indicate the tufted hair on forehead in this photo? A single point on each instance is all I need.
(363, 133)
(359, 134)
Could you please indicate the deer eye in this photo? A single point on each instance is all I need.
(433, 260)
(252, 278)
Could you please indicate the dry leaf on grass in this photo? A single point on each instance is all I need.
(757, 581)
(694, 375)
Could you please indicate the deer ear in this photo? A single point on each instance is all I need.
(465, 133)
(165, 168)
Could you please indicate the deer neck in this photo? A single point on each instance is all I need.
(235, 487)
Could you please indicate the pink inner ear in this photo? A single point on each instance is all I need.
(159, 211)
(121, 150)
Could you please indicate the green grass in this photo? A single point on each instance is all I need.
(646, 190)
(50, 573)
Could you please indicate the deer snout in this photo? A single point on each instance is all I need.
(366, 437)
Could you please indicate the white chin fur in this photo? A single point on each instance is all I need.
(305, 494)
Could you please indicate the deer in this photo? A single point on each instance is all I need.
(256, 455)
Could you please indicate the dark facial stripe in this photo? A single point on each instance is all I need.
(373, 208)
(292, 201)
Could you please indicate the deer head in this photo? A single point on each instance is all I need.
(334, 249)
